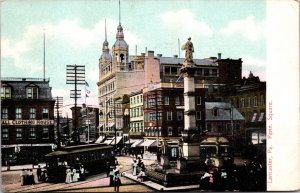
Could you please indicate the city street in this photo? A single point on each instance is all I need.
(96, 183)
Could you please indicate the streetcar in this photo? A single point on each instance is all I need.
(93, 157)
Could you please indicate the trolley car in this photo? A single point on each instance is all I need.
(93, 157)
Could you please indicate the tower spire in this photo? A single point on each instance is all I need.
(119, 13)
(105, 31)
(44, 55)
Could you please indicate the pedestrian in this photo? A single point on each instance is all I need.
(117, 180)
(82, 173)
(38, 172)
(204, 181)
(107, 169)
(31, 177)
(75, 175)
(111, 176)
(68, 175)
(23, 175)
(134, 166)
(116, 162)
(43, 175)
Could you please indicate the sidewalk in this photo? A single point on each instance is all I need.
(160, 187)
(20, 167)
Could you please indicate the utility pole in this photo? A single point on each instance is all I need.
(58, 104)
(75, 76)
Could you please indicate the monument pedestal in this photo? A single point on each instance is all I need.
(164, 162)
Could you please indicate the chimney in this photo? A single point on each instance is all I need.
(151, 53)
(219, 56)
(159, 55)
(175, 56)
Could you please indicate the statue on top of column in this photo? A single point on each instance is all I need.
(189, 49)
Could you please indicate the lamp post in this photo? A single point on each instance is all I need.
(88, 122)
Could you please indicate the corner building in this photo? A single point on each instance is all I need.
(27, 120)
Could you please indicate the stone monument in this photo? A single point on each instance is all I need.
(190, 136)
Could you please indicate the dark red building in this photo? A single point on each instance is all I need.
(27, 119)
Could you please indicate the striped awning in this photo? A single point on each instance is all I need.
(137, 143)
(147, 143)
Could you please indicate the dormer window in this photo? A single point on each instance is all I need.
(32, 92)
(5, 92)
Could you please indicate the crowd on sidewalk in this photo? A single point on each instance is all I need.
(28, 177)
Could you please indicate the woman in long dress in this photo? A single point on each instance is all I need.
(75, 175)
(68, 175)
(134, 168)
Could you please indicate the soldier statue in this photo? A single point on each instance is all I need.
(189, 49)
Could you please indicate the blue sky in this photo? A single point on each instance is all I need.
(75, 33)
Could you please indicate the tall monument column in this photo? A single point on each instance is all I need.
(190, 135)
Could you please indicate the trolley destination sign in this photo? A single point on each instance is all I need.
(27, 122)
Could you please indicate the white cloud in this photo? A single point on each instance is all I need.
(253, 62)
(249, 28)
(185, 19)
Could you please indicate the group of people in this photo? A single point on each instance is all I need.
(27, 176)
(75, 174)
(113, 172)
(250, 177)
(138, 168)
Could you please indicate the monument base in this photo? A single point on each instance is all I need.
(191, 151)
(164, 162)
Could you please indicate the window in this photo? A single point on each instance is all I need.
(214, 72)
(173, 71)
(45, 113)
(5, 92)
(249, 101)
(18, 133)
(179, 115)
(32, 134)
(169, 116)
(170, 131)
(262, 100)
(177, 100)
(167, 70)
(32, 92)
(198, 115)
(45, 134)
(242, 102)
(198, 100)
(173, 152)
(167, 102)
(151, 102)
(18, 113)
(4, 114)
(179, 131)
(5, 134)
(255, 101)
(206, 72)
(215, 112)
(32, 113)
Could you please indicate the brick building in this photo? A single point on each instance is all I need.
(27, 119)
(250, 99)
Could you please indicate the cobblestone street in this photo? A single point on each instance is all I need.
(96, 183)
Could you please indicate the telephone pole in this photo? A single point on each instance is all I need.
(75, 76)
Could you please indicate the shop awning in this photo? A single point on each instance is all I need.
(131, 141)
(137, 143)
(118, 140)
(100, 139)
(147, 143)
(110, 124)
(100, 125)
(108, 141)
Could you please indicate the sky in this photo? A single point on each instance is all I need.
(75, 31)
